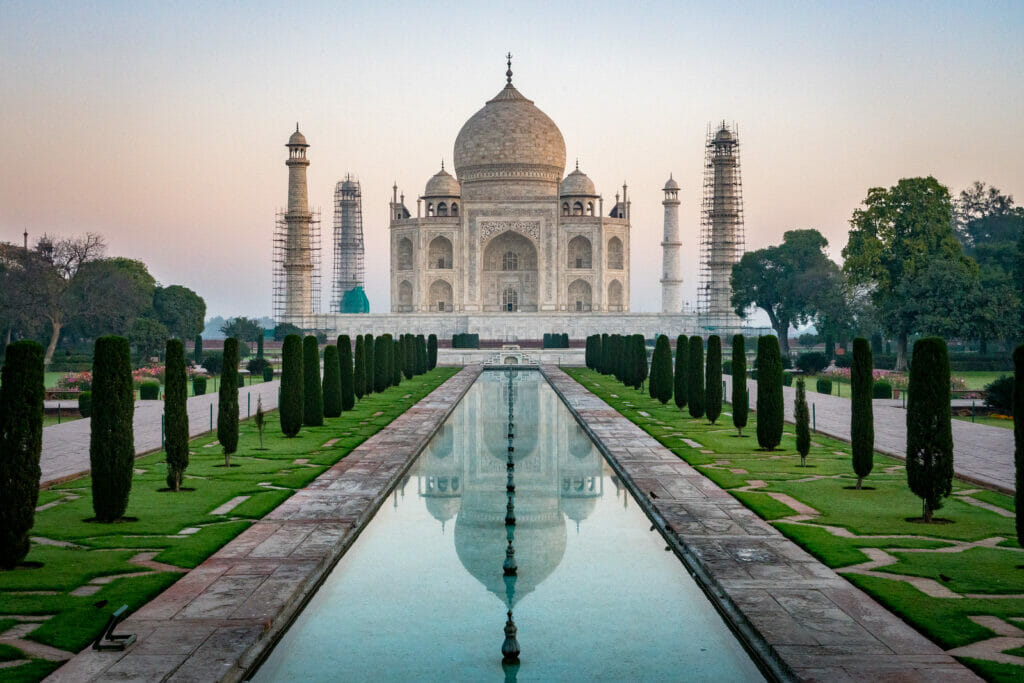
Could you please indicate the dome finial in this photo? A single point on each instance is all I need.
(508, 74)
(577, 163)
(442, 164)
(296, 126)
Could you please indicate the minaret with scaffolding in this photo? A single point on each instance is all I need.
(348, 293)
(721, 229)
(296, 244)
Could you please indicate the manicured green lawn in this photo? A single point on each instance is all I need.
(89, 551)
(989, 421)
(877, 517)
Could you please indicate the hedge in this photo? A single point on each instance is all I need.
(198, 385)
(881, 389)
(465, 340)
(175, 414)
(112, 437)
(824, 386)
(268, 373)
(85, 403)
(149, 391)
(291, 403)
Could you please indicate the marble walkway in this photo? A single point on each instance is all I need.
(66, 446)
(805, 620)
(214, 623)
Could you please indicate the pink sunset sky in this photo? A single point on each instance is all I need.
(162, 126)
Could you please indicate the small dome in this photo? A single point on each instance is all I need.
(443, 184)
(577, 183)
(297, 138)
(671, 184)
(723, 135)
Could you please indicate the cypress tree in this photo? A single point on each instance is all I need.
(770, 412)
(312, 394)
(359, 370)
(713, 379)
(679, 389)
(588, 353)
(421, 354)
(929, 434)
(802, 417)
(654, 386)
(407, 347)
(431, 352)
(371, 363)
(111, 438)
(380, 364)
(291, 385)
(695, 383)
(398, 360)
(348, 395)
(862, 420)
(197, 352)
(175, 414)
(1018, 434)
(640, 359)
(604, 360)
(661, 369)
(227, 410)
(21, 444)
(740, 398)
(620, 358)
(332, 382)
(259, 344)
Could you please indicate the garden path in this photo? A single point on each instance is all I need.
(66, 446)
(981, 454)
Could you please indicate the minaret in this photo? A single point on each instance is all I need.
(721, 227)
(298, 257)
(672, 279)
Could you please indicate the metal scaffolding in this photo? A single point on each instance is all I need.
(296, 267)
(721, 227)
(349, 274)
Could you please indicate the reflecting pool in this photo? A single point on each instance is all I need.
(423, 594)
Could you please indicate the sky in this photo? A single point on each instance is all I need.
(162, 125)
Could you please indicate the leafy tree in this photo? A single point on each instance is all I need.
(213, 362)
(313, 406)
(180, 310)
(811, 362)
(246, 330)
(929, 433)
(197, 351)
(348, 396)
(679, 388)
(770, 413)
(148, 337)
(791, 282)
(227, 401)
(21, 444)
(332, 382)
(175, 414)
(899, 233)
(431, 352)
(111, 436)
(38, 301)
(1018, 438)
(106, 296)
(695, 381)
(359, 371)
(740, 398)
(282, 330)
(862, 420)
(661, 369)
(292, 400)
(803, 422)
(713, 379)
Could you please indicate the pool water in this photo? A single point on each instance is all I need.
(421, 595)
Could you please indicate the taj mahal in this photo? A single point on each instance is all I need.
(511, 247)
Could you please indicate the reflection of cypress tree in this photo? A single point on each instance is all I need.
(770, 413)
(21, 444)
(359, 371)
(862, 420)
(1018, 435)
(313, 405)
(929, 433)
(740, 399)
(175, 414)
(291, 385)
(695, 385)
(348, 395)
(679, 389)
(227, 411)
(332, 382)
(713, 379)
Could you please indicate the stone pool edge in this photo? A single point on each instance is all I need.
(218, 621)
(710, 531)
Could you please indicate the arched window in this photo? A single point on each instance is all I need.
(510, 261)
(440, 253)
(579, 296)
(455, 209)
(430, 208)
(405, 296)
(615, 296)
(510, 299)
(405, 254)
(580, 252)
(577, 209)
(615, 254)
(442, 209)
(590, 208)
(565, 208)
(441, 296)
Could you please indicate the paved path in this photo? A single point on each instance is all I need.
(803, 618)
(66, 446)
(981, 454)
(214, 623)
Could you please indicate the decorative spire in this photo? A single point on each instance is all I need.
(296, 126)
(442, 163)
(577, 163)
(508, 74)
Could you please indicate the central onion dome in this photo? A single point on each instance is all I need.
(510, 139)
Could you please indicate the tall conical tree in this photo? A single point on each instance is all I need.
(348, 394)
(408, 356)
(740, 398)
(359, 371)
(259, 343)
(431, 352)
(640, 360)
(661, 369)
(862, 420)
(371, 363)
(421, 354)
(1018, 430)
(770, 413)
(111, 437)
(332, 382)
(679, 388)
(312, 393)
(227, 411)
(380, 363)
(197, 350)
(802, 417)
(292, 402)
(397, 361)
(175, 414)
(695, 385)
(21, 444)
(604, 360)
(929, 433)
(713, 379)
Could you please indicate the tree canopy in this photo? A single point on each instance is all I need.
(180, 310)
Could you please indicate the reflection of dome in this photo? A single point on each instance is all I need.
(443, 509)
(577, 509)
(443, 184)
(577, 183)
(509, 139)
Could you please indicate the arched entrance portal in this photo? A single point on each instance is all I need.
(510, 274)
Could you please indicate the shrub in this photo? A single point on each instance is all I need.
(679, 388)
(359, 368)
(197, 352)
(787, 379)
(466, 341)
(112, 438)
(85, 403)
(1018, 438)
(802, 417)
(332, 382)
(431, 352)
(740, 397)
(999, 395)
(213, 362)
(713, 379)
(770, 413)
(812, 362)
(198, 385)
(929, 434)
(824, 386)
(268, 373)
(227, 401)
(149, 391)
(348, 396)
(862, 420)
(844, 361)
(21, 444)
(695, 382)
(421, 354)
(881, 389)
(175, 414)
(312, 394)
(257, 365)
(291, 385)
(727, 367)
(661, 369)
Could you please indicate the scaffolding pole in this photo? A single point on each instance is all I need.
(296, 267)
(348, 249)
